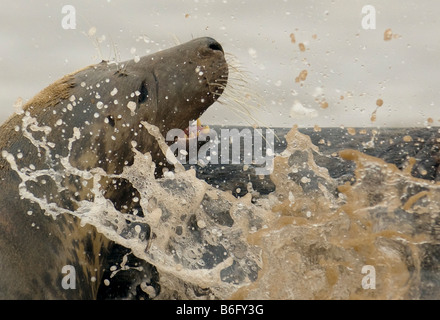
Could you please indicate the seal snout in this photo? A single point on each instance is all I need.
(208, 43)
(219, 70)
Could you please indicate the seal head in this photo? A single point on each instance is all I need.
(92, 118)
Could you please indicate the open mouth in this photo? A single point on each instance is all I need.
(195, 129)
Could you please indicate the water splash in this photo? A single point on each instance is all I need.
(309, 239)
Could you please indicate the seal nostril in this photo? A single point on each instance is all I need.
(216, 46)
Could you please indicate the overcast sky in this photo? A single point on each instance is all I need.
(348, 67)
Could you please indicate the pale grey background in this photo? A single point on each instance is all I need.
(344, 60)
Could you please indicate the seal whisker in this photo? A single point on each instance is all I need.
(176, 39)
(245, 115)
(116, 53)
(238, 96)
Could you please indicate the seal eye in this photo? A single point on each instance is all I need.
(143, 93)
(111, 120)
